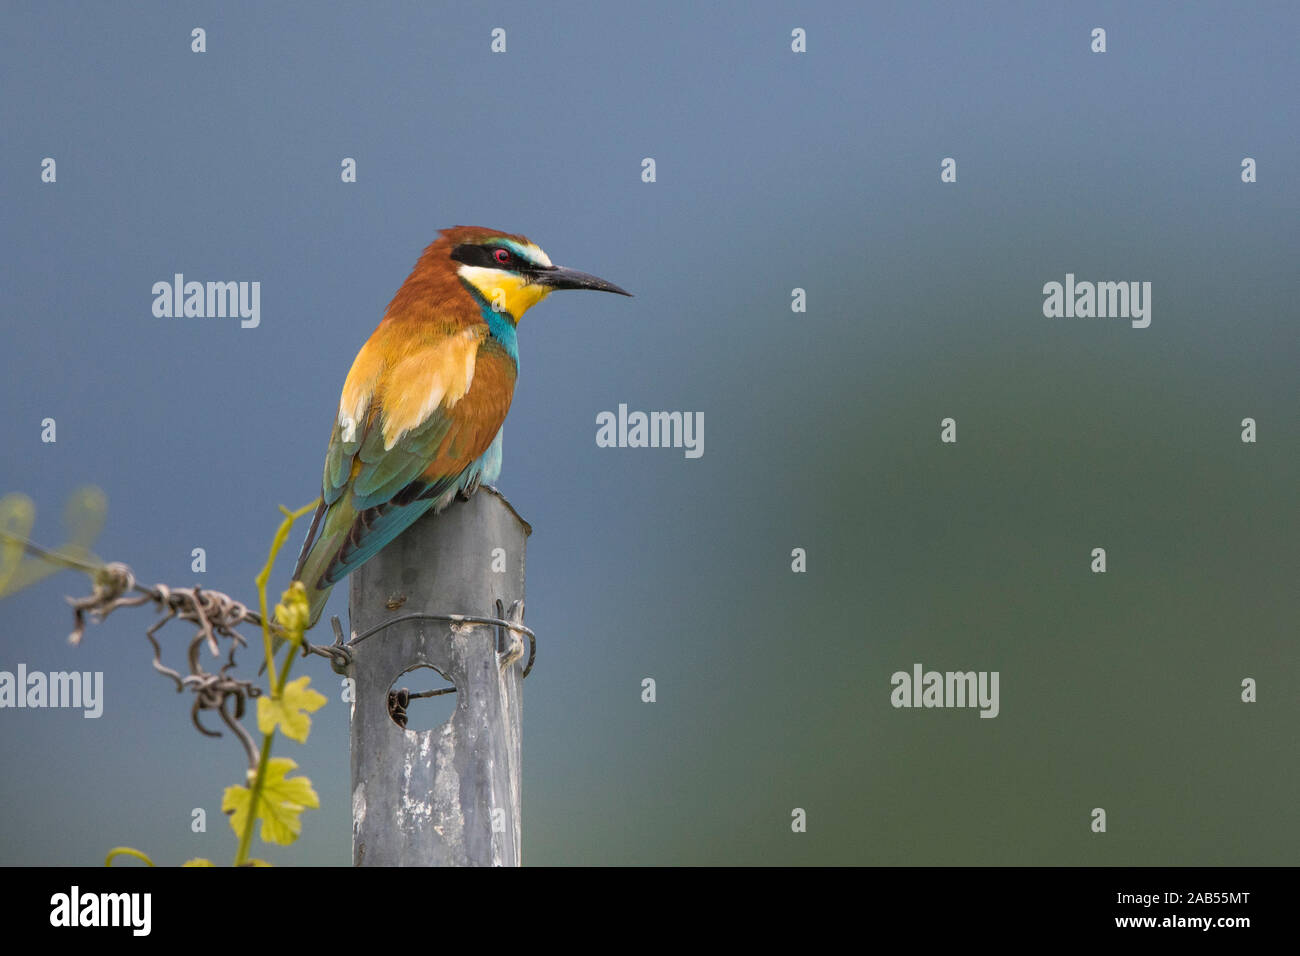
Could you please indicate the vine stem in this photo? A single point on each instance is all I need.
(277, 684)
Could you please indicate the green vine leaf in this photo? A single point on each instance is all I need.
(279, 806)
(290, 712)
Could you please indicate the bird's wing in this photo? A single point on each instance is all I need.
(409, 426)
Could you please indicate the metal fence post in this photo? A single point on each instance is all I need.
(448, 796)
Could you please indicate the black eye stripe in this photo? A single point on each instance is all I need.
(475, 254)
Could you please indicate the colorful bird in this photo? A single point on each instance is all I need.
(420, 418)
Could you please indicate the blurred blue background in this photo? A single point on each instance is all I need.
(774, 171)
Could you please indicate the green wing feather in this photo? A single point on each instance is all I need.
(360, 513)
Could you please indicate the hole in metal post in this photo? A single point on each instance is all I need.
(421, 698)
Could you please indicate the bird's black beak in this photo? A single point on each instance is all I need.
(558, 277)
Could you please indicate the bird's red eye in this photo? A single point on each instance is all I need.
(501, 256)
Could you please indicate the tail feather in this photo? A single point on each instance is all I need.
(341, 539)
(328, 527)
(307, 572)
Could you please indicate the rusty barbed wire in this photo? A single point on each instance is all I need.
(214, 614)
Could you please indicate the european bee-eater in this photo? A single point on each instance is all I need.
(420, 417)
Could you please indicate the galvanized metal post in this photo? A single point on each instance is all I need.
(448, 796)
